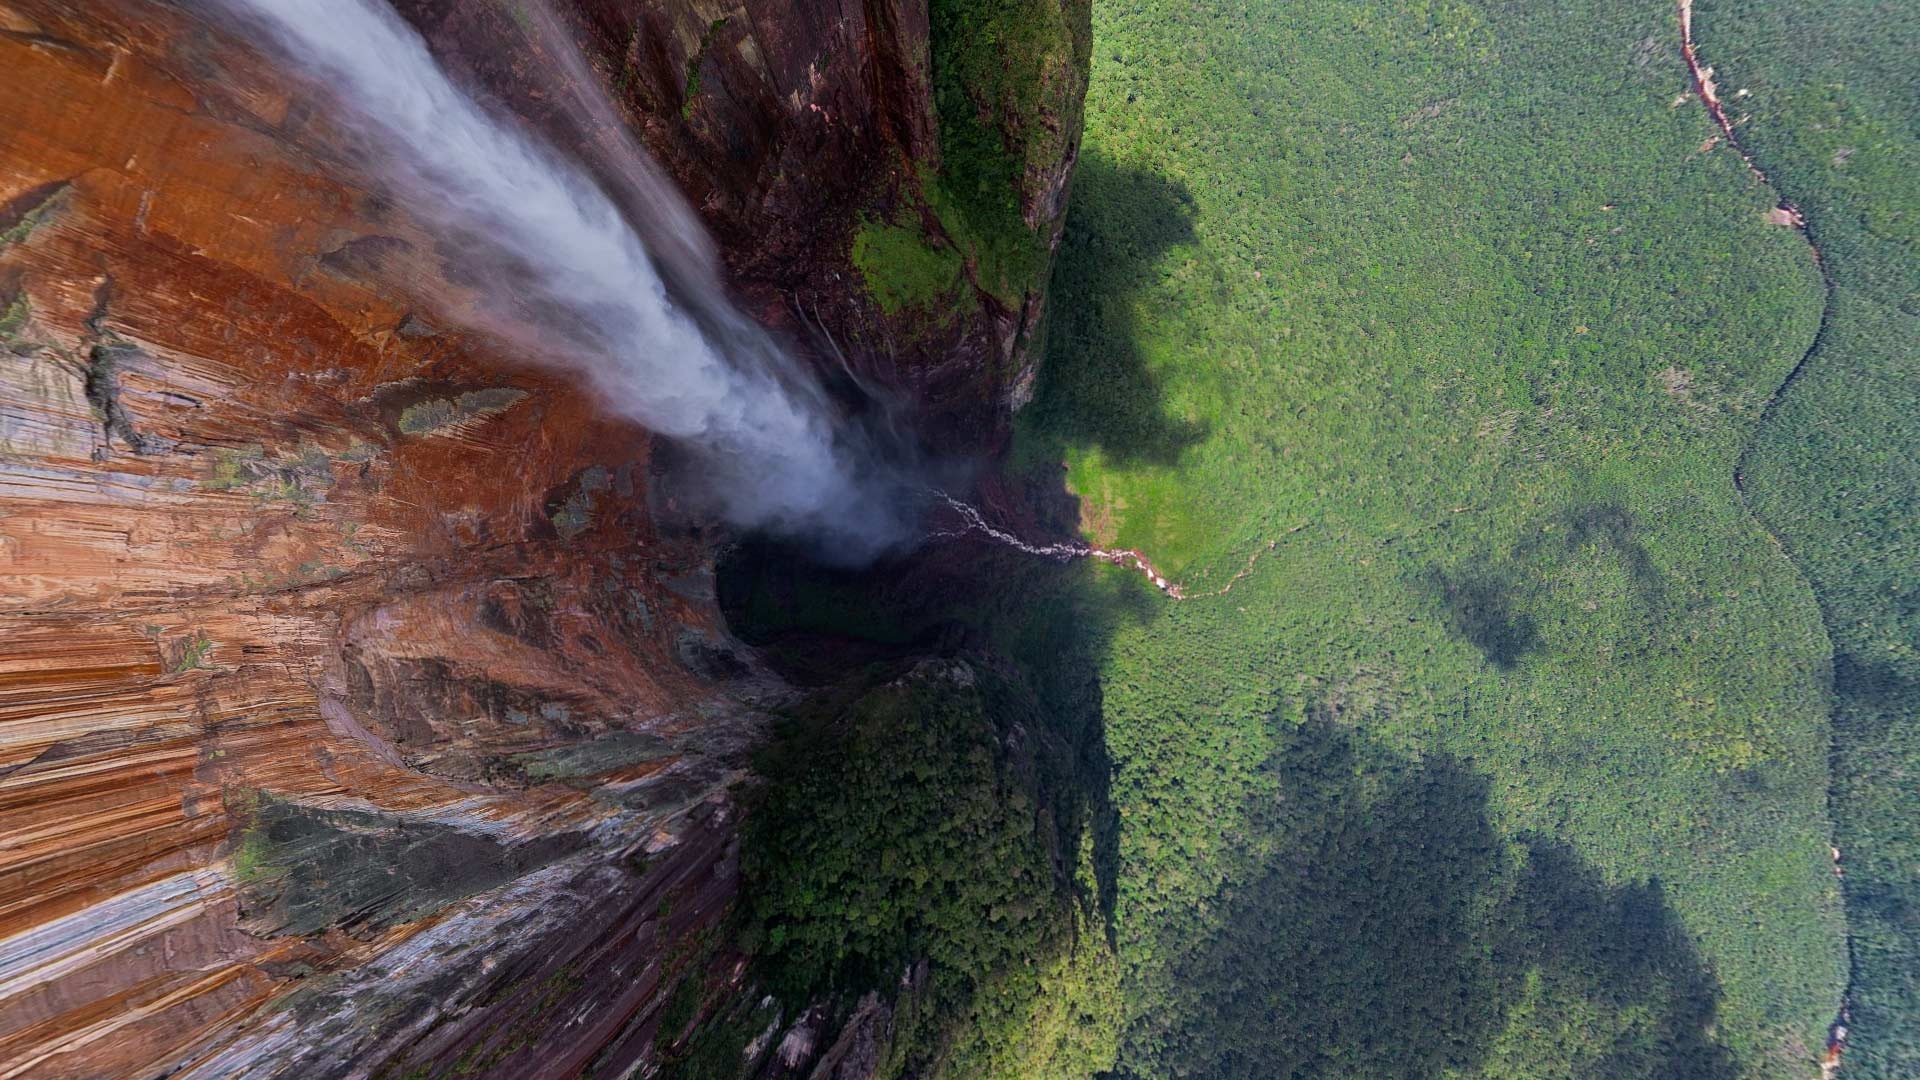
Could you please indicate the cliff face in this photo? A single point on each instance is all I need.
(886, 179)
(357, 708)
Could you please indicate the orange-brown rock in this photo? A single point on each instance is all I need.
(357, 711)
(277, 553)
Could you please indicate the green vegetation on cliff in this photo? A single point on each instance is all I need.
(901, 270)
(922, 835)
(893, 830)
(1824, 100)
(918, 826)
(1007, 82)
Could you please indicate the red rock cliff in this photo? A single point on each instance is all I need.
(356, 711)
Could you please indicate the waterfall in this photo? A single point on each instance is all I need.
(565, 275)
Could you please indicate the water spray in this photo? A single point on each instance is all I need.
(571, 269)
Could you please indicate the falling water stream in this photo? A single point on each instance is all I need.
(568, 265)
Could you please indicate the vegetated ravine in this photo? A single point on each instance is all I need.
(1790, 214)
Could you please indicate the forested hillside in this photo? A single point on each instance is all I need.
(1421, 348)
(1825, 100)
(1445, 325)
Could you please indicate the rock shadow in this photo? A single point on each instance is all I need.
(1044, 625)
(1095, 386)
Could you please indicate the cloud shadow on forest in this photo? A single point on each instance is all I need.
(1392, 932)
(1488, 601)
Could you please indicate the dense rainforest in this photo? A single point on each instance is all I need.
(1827, 109)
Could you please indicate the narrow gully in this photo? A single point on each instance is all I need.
(1703, 87)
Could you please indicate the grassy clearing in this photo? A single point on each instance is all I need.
(1460, 289)
(1824, 101)
(902, 270)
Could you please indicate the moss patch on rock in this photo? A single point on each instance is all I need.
(1009, 77)
(302, 870)
(902, 270)
(438, 414)
(615, 751)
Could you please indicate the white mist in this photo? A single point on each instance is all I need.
(572, 282)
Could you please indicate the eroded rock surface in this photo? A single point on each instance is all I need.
(357, 711)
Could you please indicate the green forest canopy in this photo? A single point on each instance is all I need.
(1439, 332)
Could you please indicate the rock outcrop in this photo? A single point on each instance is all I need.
(810, 138)
(360, 713)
